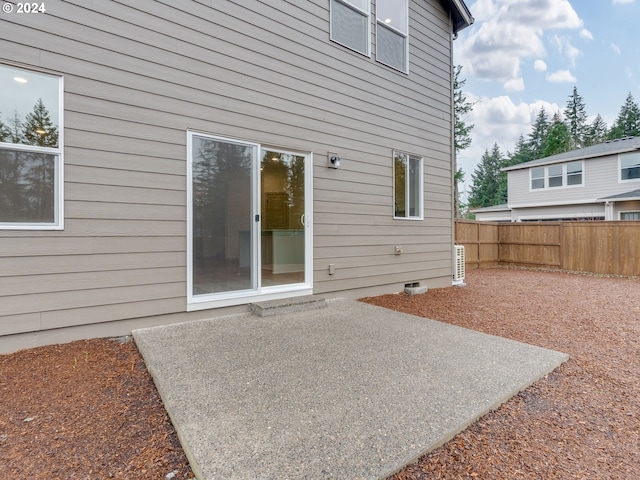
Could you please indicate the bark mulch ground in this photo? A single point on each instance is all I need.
(89, 409)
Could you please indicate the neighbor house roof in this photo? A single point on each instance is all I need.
(493, 208)
(610, 147)
(460, 15)
(632, 195)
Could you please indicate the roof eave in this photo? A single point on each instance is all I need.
(460, 15)
(540, 163)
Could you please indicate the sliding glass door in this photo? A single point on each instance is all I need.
(282, 232)
(248, 219)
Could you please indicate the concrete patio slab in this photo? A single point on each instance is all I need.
(347, 392)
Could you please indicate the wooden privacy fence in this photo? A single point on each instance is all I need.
(597, 247)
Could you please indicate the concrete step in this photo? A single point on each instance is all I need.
(288, 305)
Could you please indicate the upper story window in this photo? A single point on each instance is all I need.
(351, 24)
(407, 186)
(557, 175)
(537, 178)
(574, 173)
(30, 149)
(629, 166)
(392, 31)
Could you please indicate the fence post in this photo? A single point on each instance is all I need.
(561, 246)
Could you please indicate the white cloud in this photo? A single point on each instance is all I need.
(623, 1)
(498, 120)
(564, 46)
(561, 76)
(586, 34)
(514, 84)
(508, 31)
(540, 66)
(615, 48)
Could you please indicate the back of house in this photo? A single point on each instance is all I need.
(168, 161)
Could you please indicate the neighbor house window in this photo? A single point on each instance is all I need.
(537, 178)
(30, 149)
(630, 166)
(350, 24)
(629, 215)
(574, 173)
(392, 30)
(407, 186)
(557, 175)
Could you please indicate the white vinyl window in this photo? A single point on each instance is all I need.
(408, 191)
(351, 24)
(629, 167)
(537, 178)
(557, 175)
(629, 215)
(392, 33)
(30, 150)
(574, 173)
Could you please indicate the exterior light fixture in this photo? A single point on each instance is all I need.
(334, 161)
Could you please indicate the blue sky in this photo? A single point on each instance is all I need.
(520, 55)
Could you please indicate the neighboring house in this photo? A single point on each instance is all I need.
(601, 182)
(171, 160)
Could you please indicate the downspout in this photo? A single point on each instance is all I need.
(454, 167)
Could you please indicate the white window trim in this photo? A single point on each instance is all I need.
(565, 176)
(407, 183)
(366, 13)
(58, 207)
(620, 180)
(405, 35)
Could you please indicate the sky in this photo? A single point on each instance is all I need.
(521, 55)
(22, 89)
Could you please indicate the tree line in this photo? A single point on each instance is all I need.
(563, 132)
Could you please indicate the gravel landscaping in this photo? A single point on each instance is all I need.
(89, 409)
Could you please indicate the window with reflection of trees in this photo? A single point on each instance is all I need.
(408, 186)
(30, 149)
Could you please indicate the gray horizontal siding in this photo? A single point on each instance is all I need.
(138, 74)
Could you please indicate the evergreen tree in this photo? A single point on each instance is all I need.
(628, 122)
(485, 187)
(16, 133)
(461, 108)
(38, 128)
(295, 188)
(558, 139)
(39, 169)
(538, 137)
(462, 132)
(5, 133)
(576, 119)
(596, 132)
(520, 154)
(14, 205)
